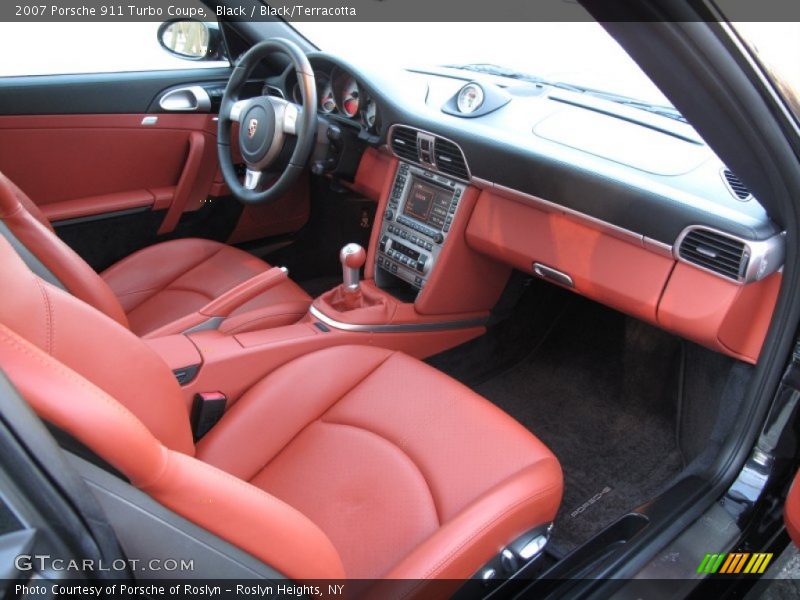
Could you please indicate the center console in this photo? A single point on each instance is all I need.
(424, 290)
(419, 213)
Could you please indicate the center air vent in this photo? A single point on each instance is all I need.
(404, 143)
(716, 252)
(735, 185)
(449, 159)
(412, 145)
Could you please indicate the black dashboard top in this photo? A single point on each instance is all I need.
(642, 172)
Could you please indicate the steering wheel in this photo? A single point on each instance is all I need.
(266, 126)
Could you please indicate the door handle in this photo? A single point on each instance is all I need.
(186, 183)
(193, 98)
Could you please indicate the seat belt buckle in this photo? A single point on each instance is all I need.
(207, 410)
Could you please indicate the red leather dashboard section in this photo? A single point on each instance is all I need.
(627, 276)
(610, 270)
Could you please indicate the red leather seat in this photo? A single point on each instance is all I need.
(351, 461)
(154, 288)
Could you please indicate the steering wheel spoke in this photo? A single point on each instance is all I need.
(252, 179)
(291, 113)
(238, 109)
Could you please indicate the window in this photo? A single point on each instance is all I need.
(38, 48)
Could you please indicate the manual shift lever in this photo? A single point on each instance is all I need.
(352, 257)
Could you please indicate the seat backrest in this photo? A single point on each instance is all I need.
(26, 226)
(94, 379)
(96, 347)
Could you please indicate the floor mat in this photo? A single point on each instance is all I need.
(600, 392)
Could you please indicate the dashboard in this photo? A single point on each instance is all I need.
(628, 207)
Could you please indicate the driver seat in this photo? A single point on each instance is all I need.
(152, 291)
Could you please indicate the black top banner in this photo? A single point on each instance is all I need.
(359, 10)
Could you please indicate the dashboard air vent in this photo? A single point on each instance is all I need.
(404, 143)
(716, 252)
(449, 159)
(736, 186)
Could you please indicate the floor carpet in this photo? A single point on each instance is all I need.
(600, 392)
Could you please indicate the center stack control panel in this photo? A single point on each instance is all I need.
(420, 212)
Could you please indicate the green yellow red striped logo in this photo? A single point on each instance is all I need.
(734, 563)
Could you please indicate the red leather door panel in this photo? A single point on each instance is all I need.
(81, 165)
(84, 165)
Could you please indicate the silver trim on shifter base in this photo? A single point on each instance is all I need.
(397, 327)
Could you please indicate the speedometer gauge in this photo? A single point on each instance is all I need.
(350, 97)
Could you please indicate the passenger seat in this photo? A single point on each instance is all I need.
(350, 462)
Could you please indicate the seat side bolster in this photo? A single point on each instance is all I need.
(62, 397)
(236, 511)
(247, 517)
(525, 500)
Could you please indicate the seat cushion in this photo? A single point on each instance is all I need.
(162, 283)
(409, 473)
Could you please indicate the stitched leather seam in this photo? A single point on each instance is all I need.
(403, 452)
(56, 366)
(192, 268)
(48, 311)
(158, 289)
(457, 550)
(17, 209)
(324, 411)
(250, 490)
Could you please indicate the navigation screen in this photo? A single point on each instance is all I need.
(428, 203)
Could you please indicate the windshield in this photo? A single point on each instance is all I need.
(777, 47)
(579, 53)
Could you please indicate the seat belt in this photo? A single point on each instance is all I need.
(31, 433)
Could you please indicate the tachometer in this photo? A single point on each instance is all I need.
(350, 97)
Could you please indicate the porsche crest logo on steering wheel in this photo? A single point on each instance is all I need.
(252, 126)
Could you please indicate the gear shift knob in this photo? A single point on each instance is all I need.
(352, 257)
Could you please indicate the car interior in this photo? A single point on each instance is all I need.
(315, 320)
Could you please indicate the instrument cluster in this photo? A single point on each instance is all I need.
(340, 95)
